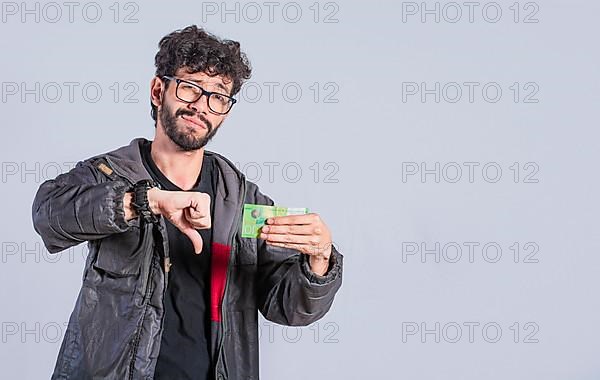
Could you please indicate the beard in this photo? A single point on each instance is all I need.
(183, 138)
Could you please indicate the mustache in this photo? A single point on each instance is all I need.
(186, 112)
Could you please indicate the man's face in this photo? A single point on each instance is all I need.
(191, 125)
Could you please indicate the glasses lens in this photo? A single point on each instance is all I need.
(219, 103)
(188, 92)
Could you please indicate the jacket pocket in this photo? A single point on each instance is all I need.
(122, 254)
(246, 252)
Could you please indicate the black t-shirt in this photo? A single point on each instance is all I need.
(184, 349)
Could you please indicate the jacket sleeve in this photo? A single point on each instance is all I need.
(78, 206)
(289, 292)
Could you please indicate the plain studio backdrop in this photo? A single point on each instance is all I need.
(451, 147)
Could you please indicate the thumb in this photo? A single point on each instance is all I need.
(195, 238)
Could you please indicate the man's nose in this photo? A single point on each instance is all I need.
(200, 105)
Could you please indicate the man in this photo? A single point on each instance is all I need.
(170, 289)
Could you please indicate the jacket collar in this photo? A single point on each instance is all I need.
(127, 162)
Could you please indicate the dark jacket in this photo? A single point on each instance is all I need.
(115, 328)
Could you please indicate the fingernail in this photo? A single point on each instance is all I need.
(270, 220)
(265, 229)
(263, 236)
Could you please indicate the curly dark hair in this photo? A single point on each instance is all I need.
(200, 51)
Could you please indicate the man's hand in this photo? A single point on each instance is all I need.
(187, 210)
(307, 233)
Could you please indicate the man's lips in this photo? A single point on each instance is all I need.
(194, 121)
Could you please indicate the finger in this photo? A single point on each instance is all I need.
(198, 223)
(200, 202)
(294, 219)
(299, 247)
(194, 214)
(304, 248)
(303, 229)
(287, 238)
(195, 238)
(182, 199)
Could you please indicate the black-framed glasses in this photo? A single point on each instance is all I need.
(190, 92)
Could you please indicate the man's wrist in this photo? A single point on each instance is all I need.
(128, 209)
(319, 264)
(141, 203)
(153, 195)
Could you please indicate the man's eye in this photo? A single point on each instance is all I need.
(188, 87)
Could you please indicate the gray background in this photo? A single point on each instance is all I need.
(368, 134)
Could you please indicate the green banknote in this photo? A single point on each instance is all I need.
(255, 217)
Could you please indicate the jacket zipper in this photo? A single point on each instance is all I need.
(136, 340)
(221, 351)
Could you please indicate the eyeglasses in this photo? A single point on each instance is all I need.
(190, 92)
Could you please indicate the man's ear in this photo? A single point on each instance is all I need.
(156, 89)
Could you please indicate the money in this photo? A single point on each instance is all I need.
(255, 216)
